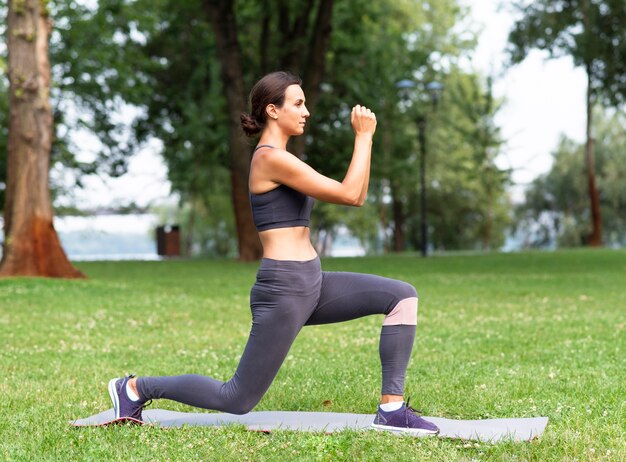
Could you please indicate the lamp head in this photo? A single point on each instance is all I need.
(434, 89)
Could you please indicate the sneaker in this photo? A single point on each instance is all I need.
(404, 420)
(123, 406)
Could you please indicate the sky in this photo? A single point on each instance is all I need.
(543, 100)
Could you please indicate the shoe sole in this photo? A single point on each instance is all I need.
(114, 397)
(405, 431)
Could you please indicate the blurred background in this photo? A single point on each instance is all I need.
(490, 116)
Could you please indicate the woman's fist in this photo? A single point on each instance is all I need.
(363, 120)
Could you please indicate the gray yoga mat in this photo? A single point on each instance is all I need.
(524, 429)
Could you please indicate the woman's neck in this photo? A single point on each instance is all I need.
(274, 138)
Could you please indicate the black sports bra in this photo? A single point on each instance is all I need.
(281, 207)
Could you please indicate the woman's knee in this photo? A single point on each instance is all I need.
(406, 290)
(242, 406)
(405, 310)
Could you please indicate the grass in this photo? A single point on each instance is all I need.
(500, 335)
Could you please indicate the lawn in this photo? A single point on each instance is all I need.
(499, 335)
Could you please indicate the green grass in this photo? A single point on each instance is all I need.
(515, 335)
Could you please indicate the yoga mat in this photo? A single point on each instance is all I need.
(524, 429)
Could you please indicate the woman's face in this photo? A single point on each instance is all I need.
(291, 117)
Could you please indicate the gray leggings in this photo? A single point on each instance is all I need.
(288, 295)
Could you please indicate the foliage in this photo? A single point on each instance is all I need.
(555, 206)
(590, 31)
(130, 71)
(468, 202)
(168, 70)
(185, 109)
(500, 336)
(153, 62)
(394, 41)
(369, 54)
(96, 58)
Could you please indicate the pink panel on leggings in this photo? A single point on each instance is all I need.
(405, 312)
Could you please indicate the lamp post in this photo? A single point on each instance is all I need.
(421, 125)
(434, 90)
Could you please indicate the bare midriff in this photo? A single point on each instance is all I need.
(288, 244)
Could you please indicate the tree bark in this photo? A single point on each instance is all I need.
(222, 18)
(32, 247)
(595, 238)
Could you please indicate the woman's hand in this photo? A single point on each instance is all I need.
(363, 120)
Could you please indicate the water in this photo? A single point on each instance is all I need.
(108, 237)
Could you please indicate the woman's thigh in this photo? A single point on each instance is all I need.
(346, 296)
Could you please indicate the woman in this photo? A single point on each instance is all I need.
(291, 290)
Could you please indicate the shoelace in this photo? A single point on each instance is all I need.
(139, 410)
(408, 409)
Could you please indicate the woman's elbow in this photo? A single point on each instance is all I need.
(357, 201)
(351, 198)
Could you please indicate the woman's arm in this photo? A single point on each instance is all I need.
(366, 178)
(281, 167)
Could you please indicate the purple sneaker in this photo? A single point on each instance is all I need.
(122, 404)
(404, 420)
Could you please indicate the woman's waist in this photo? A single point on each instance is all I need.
(293, 244)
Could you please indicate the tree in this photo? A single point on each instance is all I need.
(555, 211)
(4, 128)
(4, 107)
(469, 204)
(222, 16)
(166, 41)
(32, 246)
(293, 29)
(161, 59)
(592, 33)
(389, 42)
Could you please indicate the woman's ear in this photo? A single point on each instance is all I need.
(271, 111)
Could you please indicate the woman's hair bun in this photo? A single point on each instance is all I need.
(249, 124)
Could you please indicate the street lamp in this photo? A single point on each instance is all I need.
(434, 90)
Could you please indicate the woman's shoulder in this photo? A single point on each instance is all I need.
(279, 166)
(273, 156)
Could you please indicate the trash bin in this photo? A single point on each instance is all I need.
(168, 240)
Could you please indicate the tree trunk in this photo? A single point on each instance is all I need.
(315, 65)
(487, 229)
(595, 238)
(191, 226)
(222, 18)
(386, 148)
(265, 37)
(399, 238)
(316, 62)
(32, 247)
(293, 34)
